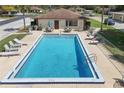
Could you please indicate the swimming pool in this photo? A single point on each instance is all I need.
(55, 58)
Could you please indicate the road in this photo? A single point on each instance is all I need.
(5, 21)
(118, 25)
(11, 27)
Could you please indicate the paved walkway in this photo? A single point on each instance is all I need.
(118, 25)
(107, 69)
(12, 27)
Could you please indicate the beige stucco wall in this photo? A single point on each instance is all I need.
(119, 17)
(62, 23)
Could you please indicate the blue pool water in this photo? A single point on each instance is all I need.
(56, 57)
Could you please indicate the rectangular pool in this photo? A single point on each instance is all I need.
(55, 58)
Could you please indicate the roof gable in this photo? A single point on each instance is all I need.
(59, 14)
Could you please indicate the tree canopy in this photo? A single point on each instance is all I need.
(7, 8)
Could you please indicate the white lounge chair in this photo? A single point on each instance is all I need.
(90, 37)
(7, 49)
(17, 41)
(9, 53)
(29, 31)
(12, 45)
(94, 42)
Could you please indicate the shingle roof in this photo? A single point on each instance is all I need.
(59, 14)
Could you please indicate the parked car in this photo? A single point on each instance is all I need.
(88, 13)
(109, 21)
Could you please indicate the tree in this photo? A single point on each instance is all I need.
(97, 9)
(7, 8)
(102, 18)
(119, 7)
(22, 9)
(89, 7)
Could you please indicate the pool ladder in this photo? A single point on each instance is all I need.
(94, 57)
(59, 32)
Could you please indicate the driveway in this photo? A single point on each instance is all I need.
(118, 25)
(12, 27)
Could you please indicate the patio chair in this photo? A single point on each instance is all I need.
(12, 45)
(47, 29)
(94, 42)
(90, 37)
(93, 31)
(9, 53)
(67, 29)
(7, 49)
(17, 41)
(29, 32)
(52, 28)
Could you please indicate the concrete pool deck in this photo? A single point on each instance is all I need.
(107, 69)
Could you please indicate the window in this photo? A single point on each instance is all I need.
(71, 22)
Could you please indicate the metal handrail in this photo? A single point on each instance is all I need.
(93, 55)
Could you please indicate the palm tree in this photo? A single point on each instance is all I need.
(50, 8)
(22, 9)
(102, 14)
(23, 12)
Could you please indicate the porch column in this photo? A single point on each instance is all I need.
(122, 18)
(113, 16)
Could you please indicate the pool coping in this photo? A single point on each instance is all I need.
(48, 80)
(92, 61)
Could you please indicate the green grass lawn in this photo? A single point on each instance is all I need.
(22, 30)
(115, 36)
(7, 39)
(97, 24)
(99, 14)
